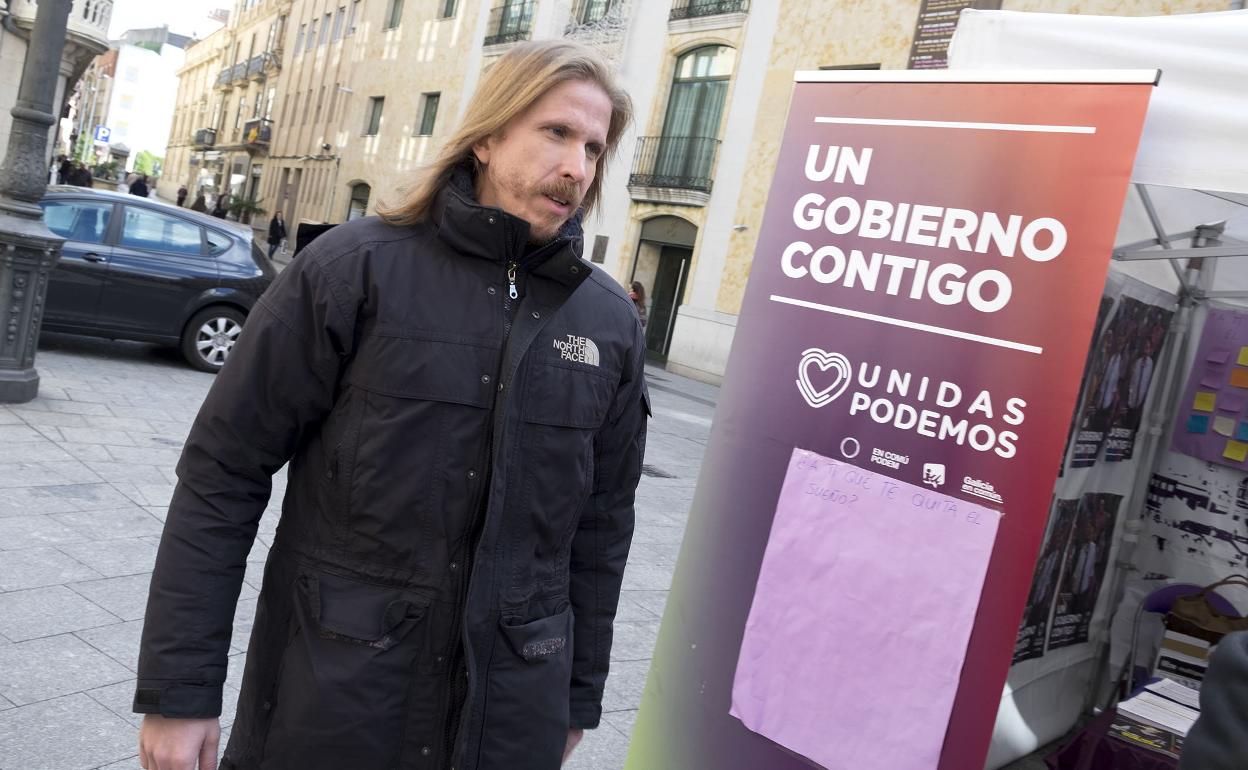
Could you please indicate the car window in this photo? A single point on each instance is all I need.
(217, 242)
(83, 221)
(143, 229)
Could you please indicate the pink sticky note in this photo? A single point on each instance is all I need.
(843, 661)
(1212, 380)
(1220, 356)
(1231, 402)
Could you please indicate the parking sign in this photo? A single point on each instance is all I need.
(102, 133)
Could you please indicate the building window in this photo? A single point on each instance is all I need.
(358, 205)
(355, 12)
(320, 101)
(238, 113)
(428, 113)
(307, 107)
(375, 105)
(311, 43)
(303, 28)
(446, 8)
(341, 12)
(590, 11)
(395, 14)
(324, 29)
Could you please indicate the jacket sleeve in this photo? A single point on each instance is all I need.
(1218, 740)
(604, 533)
(279, 380)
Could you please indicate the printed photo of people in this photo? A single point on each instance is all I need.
(1107, 303)
(1030, 642)
(1083, 569)
(1118, 381)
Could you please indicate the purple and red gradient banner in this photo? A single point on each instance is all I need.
(921, 303)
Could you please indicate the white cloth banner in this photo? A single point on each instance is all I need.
(1194, 135)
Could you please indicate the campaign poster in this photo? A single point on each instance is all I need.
(1083, 570)
(1031, 632)
(1211, 423)
(920, 305)
(1107, 304)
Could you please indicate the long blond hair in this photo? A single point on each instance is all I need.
(517, 80)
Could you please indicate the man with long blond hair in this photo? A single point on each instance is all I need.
(462, 403)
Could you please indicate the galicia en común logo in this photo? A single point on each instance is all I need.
(931, 407)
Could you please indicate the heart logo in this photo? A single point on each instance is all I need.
(836, 363)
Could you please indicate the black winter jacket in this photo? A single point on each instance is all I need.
(441, 588)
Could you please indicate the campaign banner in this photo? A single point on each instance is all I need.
(920, 305)
(1083, 571)
(1031, 632)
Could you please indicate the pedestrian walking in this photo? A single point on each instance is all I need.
(219, 209)
(277, 231)
(461, 399)
(65, 171)
(82, 175)
(199, 204)
(139, 186)
(637, 293)
(181, 195)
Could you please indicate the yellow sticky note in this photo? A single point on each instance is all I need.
(1243, 357)
(1239, 377)
(1205, 401)
(1236, 450)
(1223, 426)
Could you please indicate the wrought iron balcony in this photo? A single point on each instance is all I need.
(510, 22)
(225, 80)
(205, 138)
(591, 11)
(674, 163)
(238, 72)
(263, 64)
(692, 9)
(258, 132)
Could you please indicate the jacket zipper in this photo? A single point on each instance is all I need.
(458, 686)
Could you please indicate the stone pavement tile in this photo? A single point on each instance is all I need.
(649, 517)
(244, 618)
(655, 554)
(146, 494)
(634, 640)
(120, 423)
(125, 597)
(637, 577)
(138, 474)
(129, 763)
(97, 453)
(145, 455)
(44, 566)
(5, 703)
(159, 511)
(145, 413)
(630, 610)
(69, 733)
(171, 427)
(49, 668)
(119, 641)
(82, 408)
(40, 612)
(605, 748)
(118, 699)
(625, 683)
(654, 601)
(254, 579)
(32, 451)
(624, 721)
(95, 395)
(96, 436)
(131, 521)
(33, 530)
(63, 498)
(113, 558)
(659, 534)
(159, 440)
(7, 417)
(19, 434)
(44, 418)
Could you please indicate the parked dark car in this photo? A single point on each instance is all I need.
(140, 269)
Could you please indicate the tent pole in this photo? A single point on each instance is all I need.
(1155, 220)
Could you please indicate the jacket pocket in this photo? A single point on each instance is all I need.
(526, 704)
(342, 693)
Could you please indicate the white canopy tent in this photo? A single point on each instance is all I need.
(1191, 170)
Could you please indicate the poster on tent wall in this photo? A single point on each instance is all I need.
(1031, 632)
(1120, 373)
(1083, 569)
(899, 318)
(935, 27)
(1212, 419)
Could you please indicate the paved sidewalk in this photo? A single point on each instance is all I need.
(86, 471)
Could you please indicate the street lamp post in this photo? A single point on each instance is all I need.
(29, 249)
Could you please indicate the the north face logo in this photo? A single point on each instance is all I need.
(579, 349)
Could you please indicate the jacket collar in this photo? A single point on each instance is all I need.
(487, 232)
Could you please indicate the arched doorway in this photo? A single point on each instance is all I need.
(664, 255)
(358, 206)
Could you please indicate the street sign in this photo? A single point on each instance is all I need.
(102, 133)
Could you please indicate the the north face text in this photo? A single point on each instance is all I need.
(579, 349)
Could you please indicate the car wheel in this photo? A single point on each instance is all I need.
(210, 336)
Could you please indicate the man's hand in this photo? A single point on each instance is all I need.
(178, 744)
(574, 737)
